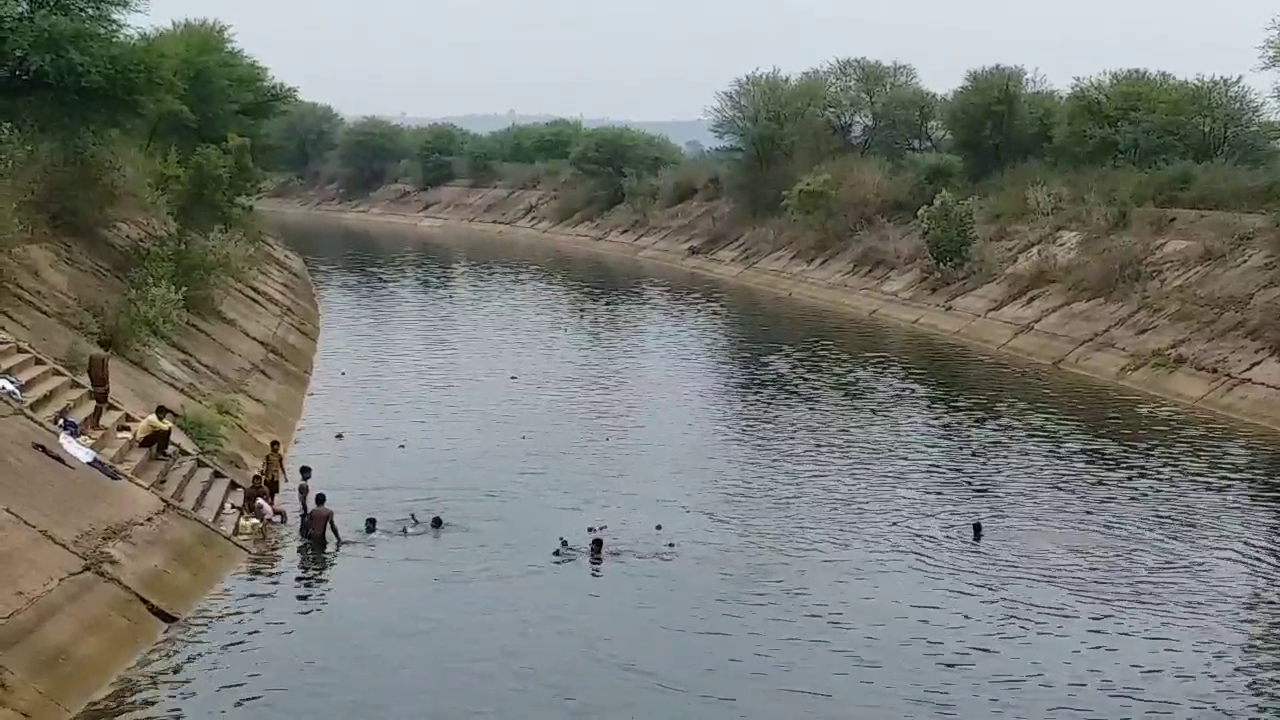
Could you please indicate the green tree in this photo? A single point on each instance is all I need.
(775, 128)
(611, 156)
(478, 159)
(445, 139)
(367, 151)
(1000, 116)
(69, 68)
(1227, 121)
(1270, 54)
(1147, 119)
(536, 142)
(302, 137)
(879, 108)
(212, 88)
(434, 169)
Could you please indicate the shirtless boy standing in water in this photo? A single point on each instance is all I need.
(320, 522)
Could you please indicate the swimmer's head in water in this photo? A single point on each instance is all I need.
(437, 522)
(414, 518)
(564, 543)
(597, 546)
(370, 525)
(591, 530)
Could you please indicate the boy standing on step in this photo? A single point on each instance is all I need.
(273, 470)
(99, 382)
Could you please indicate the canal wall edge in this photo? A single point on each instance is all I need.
(1115, 341)
(95, 570)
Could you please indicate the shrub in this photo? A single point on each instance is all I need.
(640, 193)
(1114, 267)
(812, 201)
(76, 187)
(206, 428)
(151, 311)
(478, 161)
(928, 174)
(434, 170)
(948, 228)
(697, 178)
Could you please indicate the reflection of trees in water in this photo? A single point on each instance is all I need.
(958, 388)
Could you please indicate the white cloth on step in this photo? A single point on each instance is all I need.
(9, 387)
(76, 450)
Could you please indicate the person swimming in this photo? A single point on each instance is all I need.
(597, 547)
(415, 519)
(370, 525)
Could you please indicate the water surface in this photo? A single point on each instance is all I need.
(817, 474)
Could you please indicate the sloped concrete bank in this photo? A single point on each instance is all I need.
(1205, 360)
(93, 569)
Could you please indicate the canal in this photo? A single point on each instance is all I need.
(815, 477)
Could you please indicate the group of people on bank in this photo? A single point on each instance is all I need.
(263, 504)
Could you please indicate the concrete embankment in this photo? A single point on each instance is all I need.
(1190, 342)
(94, 569)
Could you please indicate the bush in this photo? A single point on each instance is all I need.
(151, 311)
(478, 162)
(611, 157)
(75, 187)
(697, 178)
(640, 193)
(812, 202)
(948, 228)
(928, 174)
(206, 428)
(537, 175)
(434, 170)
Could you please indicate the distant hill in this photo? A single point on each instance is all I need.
(680, 131)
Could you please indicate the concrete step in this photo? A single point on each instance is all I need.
(171, 483)
(32, 374)
(110, 418)
(38, 397)
(152, 472)
(227, 518)
(8, 348)
(16, 362)
(116, 449)
(195, 488)
(213, 498)
(81, 409)
(137, 458)
(67, 398)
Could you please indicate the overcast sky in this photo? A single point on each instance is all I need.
(664, 59)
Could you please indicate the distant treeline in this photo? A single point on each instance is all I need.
(859, 141)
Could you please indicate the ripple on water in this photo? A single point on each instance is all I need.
(818, 477)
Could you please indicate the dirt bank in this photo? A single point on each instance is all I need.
(95, 569)
(1184, 311)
